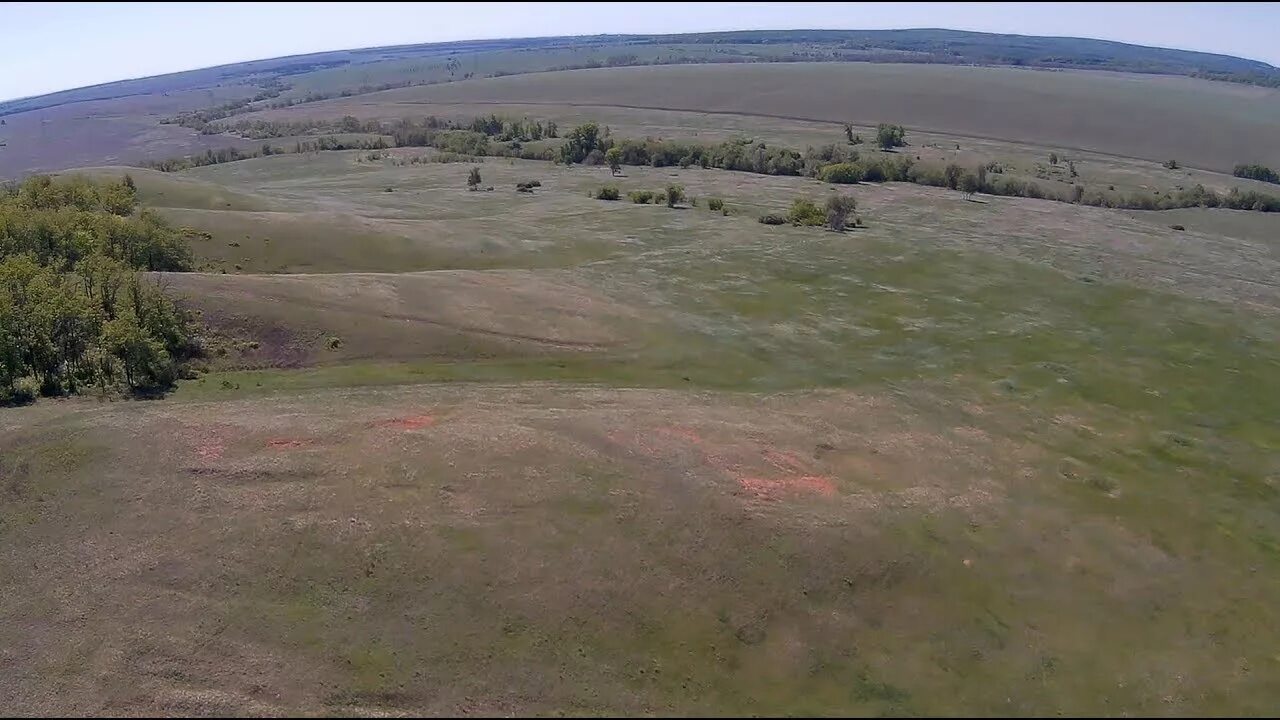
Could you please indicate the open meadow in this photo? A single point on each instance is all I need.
(499, 452)
(479, 445)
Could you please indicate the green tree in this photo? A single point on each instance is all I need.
(614, 159)
(969, 184)
(579, 143)
(142, 358)
(890, 136)
(839, 208)
(675, 195)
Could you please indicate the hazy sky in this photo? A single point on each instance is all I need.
(54, 46)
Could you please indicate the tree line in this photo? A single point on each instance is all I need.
(75, 312)
(593, 144)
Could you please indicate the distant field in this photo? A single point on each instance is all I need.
(118, 131)
(1201, 123)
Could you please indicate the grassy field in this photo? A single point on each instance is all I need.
(498, 453)
(1200, 123)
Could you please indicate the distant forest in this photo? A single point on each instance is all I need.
(914, 46)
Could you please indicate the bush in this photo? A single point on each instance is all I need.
(890, 136)
(773, 219)
(473, 179)
(23, 392)
(641, 197)
(839, 208)
(333, 342)
(1257, 172)
(675, 195)
(841, 173)
(608, 192)
(715, 204)
(1170, 164)
(1177, 227)
(804, 213)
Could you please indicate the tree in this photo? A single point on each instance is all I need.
(614, 159)
(579, 143)
(551, 129)
(675, 195)
(1077, 193)
(890, 136)
(1071, 168)
(969, 185)
(848, 132)
(473, 179)
(1257, 172)
(141, 356)
(128, 183)
(839, 208)
(1053, 158)
(952, 175)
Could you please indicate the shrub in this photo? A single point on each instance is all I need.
(1257, 172)
(333, 342)
(1170, 164)
(24, 391)
(805, 213)
(473, 179)
(773, 219)
(641, 197)
(890, 136)
(839, 208)
(715, 204)
(608, 192)
(841, 173)
(1177, 227)
(675, 195)
(1053, 158)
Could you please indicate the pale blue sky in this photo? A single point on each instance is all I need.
(54, 46)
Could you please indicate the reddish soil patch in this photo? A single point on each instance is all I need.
(210, 450)
(412, 422)
(792, 474)
(772, 489)
(285, 444)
